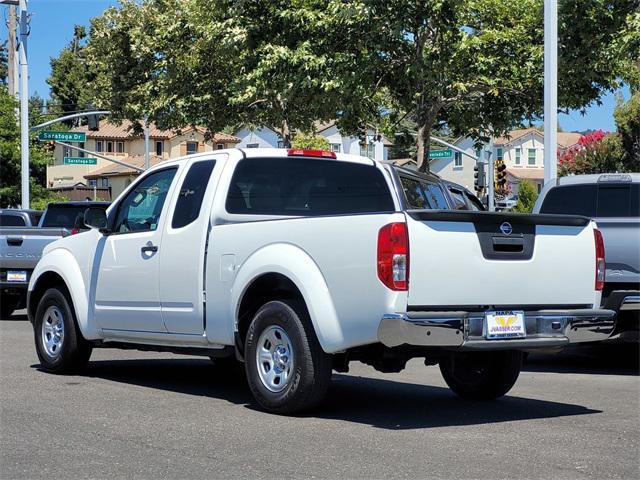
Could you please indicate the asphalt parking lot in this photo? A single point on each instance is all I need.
(157, 415)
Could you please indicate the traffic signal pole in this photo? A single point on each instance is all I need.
(550, 90)
(24, 101)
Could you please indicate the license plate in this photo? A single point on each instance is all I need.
(16, 276)
(504, 324)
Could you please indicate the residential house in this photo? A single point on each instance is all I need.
(120, 143)
(264, 137)
(521, 150)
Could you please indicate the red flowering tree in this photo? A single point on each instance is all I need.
(596, 152)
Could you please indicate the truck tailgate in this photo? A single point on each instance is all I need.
(22, 247)
(487, 259)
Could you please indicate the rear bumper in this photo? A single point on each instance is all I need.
(464, 330)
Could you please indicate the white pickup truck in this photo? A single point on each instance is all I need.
(297, 262)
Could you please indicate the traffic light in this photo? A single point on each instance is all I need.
(501, 175)
(479, 175)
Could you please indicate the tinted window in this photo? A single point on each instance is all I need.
(192, 193)
(11, 221)
(571, 200)
(435, 196)
(61, 216)
(299, 186)
(458, 199)
(614, 201)
(413, 193)
(634, 209)
(473, 203)
(140, 210)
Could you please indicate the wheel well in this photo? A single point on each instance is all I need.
(46, 281)
(263, 289)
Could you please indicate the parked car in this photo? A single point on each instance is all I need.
(16, 217)
(507, 203)
(21, 247)
(298, 262)
(613, 201)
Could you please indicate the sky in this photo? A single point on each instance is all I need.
(52, 29)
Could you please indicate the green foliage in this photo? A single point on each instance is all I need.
(527, 196)
(310, 141)
(69, 76)
(10, 166)
(627, 116)
(4, 61)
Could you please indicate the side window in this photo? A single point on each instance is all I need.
(435, 196)
(458, 199)
(413, 193)
(473, 203)
(140, 210)
(11, 221)
(192, 193)
(571, 200)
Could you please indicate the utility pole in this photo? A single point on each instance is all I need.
(12, 63)
(24, 100)
(146, 143)
(550, 90)
(491, 206)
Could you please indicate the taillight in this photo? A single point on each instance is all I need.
(74, 231)
(600, 264)
(303, 152)
(393, 256)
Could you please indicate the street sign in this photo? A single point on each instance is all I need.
(62, 136)
(80, 161)
(446, 153)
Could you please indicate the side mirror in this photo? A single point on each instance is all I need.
(96, 218)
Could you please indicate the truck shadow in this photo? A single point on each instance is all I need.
(380, 403)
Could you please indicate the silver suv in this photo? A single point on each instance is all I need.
(613, 201)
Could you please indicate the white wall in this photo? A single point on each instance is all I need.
(445, 167)
(264, 137)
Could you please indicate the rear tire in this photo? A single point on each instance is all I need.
(482, 375)
(287, 370)
(59, 343)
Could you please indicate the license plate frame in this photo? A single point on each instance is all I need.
(16, 276)
(504, 325)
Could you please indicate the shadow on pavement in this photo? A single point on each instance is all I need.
(17, 317)
(380, 403)
(599, 359)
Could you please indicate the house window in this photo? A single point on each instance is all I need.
(367, 150)
(479, 153)
(499, 156)
(336, 147)
(99, 146)
(192, 147)
(109, 147)
(104, 182)
(457, 160)
(120, 147)
(220, 146)
(80, 153)
(518, 153)
(93, 182)
(255, 145)
(280, 144)
(532, 156)
(159, 147)
(66, 152)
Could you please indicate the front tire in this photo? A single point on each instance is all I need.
(287, 370)
(482, 375)
(59, 343)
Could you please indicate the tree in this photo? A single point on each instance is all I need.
(4, 62)
(310, 141)
(69, 76)
(596, 152)
(10, 166)
(219, 63)
(477, 65)
(627, 116)
(527, 196)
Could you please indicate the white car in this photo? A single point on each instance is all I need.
(297, 262)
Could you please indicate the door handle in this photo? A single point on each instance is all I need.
(149, 248)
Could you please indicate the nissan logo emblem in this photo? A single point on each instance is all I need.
(506, 228)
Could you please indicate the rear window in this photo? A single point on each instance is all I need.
(598, 201)
(422, 194)
(11, 221)
(300, 186)
(571, 200)
(458, 199)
